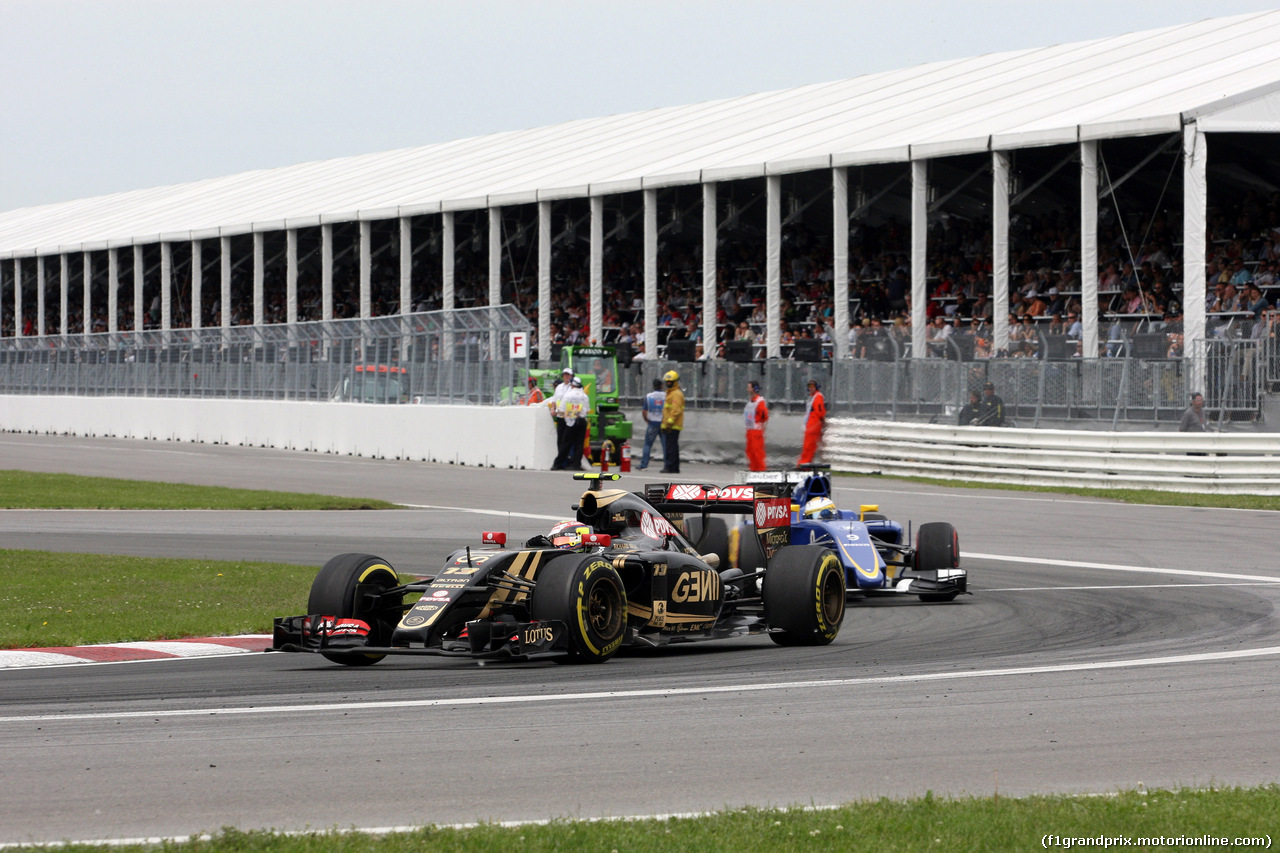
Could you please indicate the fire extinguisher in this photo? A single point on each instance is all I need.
(606, 450)
(625, 465)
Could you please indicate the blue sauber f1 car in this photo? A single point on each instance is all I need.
(875, 551)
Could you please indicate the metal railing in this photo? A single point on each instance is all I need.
(435, 357)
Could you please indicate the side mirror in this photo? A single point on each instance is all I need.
(604, 540)
(493, 537)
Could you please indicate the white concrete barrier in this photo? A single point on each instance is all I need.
(491, 436)
(1167, 461)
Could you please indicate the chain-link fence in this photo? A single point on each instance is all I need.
(1103, 392)
(463, 356)
(460, 356)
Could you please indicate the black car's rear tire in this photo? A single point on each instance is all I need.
(750, 554)
(804, 594)
(711, 539)
(586, 593)
(343, 588)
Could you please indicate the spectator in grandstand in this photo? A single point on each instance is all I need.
(1240, 274)
(1254, 302)
(981, 307)
(936, 336)
(1228, 301)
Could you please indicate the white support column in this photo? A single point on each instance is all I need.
(710, 303)
(449, 245)
(197, 283)
(86, 324)
(840, 262)
(493, 248)
(326, 272)
(919, 254)
(64, 292)
(17, 297)
(495, 280)
(1195, 194)
(366, 269)
(448, 248)
(224, 294)
(1000, 251)
(113, 290)
(40, 282)
(406, 265)
(650, 273)
(1089, 248)
(139, 272)
(291, 275)
(595, 268)
(544, 280)
(773, 266)
(166, 286)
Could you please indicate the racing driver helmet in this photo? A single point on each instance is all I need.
(820, 508)
(568, 534)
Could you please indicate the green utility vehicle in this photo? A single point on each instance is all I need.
(598, 368)
(606, 420)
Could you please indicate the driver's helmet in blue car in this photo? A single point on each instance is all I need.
(568, 534)
(820, 508)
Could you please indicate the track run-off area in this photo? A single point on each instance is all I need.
(1105, 646)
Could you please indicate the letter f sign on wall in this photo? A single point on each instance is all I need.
(519, 344)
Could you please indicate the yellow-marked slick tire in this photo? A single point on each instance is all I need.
(586, 593)
(341, 589)
(804, 591)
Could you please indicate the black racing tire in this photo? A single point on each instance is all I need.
(586, 593)
(937, 547)
(804, 596)
(713, 539)
(339, 590)
(750, 553)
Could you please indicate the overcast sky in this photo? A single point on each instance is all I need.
(102, 96)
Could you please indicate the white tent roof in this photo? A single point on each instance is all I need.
(1223, 73)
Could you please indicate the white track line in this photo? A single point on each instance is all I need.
(1112, 567)
(347, 707)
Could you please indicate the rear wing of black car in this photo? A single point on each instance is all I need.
(770, 510)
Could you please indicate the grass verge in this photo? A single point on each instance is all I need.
(31, 490)
(1129, 496)
(884, 826)
(57, 599)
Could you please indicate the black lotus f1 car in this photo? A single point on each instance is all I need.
(631, 578)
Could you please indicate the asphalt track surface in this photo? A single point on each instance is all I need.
(1105, 646)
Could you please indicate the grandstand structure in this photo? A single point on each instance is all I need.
(661, 219)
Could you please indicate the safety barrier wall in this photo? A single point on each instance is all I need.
(490, 436)
(1166, 461)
